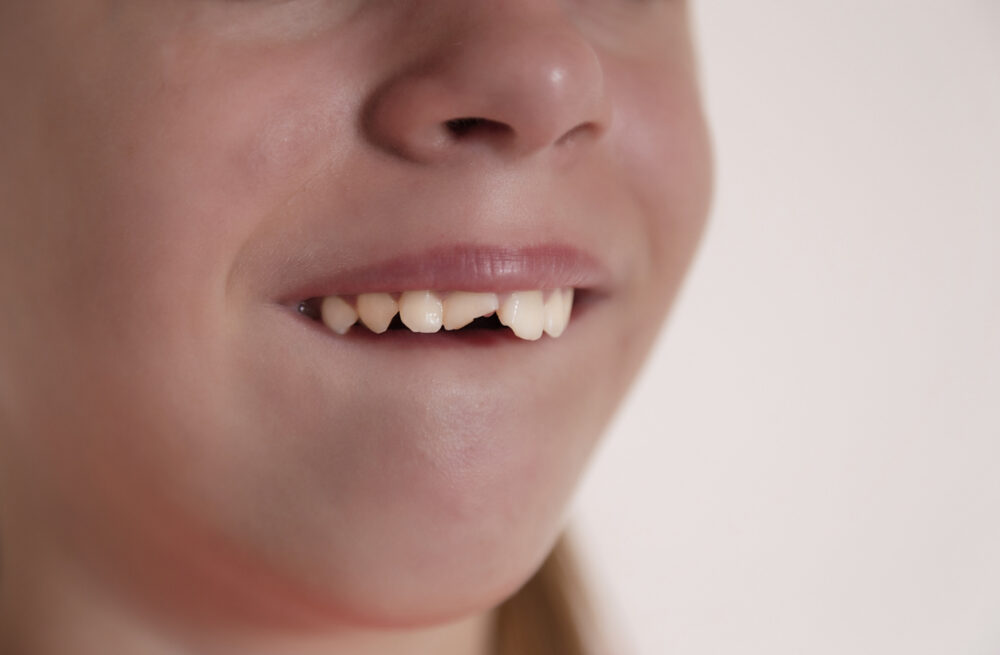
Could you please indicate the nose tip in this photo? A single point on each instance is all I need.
(510, 87)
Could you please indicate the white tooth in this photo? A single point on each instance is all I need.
(524, 313)
(338, 315)
(567, 304)
(376, 311)
(462, 307)
(556, 316)
(421, 311)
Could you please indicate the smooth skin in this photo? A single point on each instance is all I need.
(185, 464)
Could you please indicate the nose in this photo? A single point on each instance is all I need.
(511, 78)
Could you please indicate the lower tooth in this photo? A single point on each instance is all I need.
(421, 311)
(338, 315)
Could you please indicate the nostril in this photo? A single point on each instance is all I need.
(460, 126)
(465, 127)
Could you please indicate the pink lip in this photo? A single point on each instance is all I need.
(463, 267)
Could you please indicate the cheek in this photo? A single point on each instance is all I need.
(163, 175)
(665, 156)
(239, 140)
(280, 139)
(192, 160)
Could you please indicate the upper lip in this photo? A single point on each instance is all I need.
(458, 267)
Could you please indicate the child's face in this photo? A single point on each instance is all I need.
(176, 174)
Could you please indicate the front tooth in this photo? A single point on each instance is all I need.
(338, 315)
(462, 307)
(421, 311)
(557, 309)
(376, 311)
(524, 313)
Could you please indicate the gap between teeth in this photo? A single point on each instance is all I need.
(528, 314)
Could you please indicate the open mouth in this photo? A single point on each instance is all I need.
(527, 314)
(454, 294)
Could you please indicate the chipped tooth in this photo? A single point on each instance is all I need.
(376, 311)
(421, 311)
(463, 307)
(524, 313)
(338, 315)
(556, 316)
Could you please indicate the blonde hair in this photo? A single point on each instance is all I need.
(551, 614)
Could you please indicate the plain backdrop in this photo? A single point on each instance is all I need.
(810, 463)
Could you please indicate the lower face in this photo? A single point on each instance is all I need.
(181, 175)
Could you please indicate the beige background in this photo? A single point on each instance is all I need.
(811, 463)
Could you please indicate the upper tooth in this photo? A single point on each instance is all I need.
(462, 307)
(337, 314)
(376, 311)
(557, 310)
(567, 304)
(524, 313)
(421, 311)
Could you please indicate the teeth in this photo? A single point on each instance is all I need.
(337, 314)
(421, 311)
(527, 313)
(463, 307)
(524, 313)
(376, 311)
(557, 310)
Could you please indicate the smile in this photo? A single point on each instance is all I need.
(528, 314)
(469, 294)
